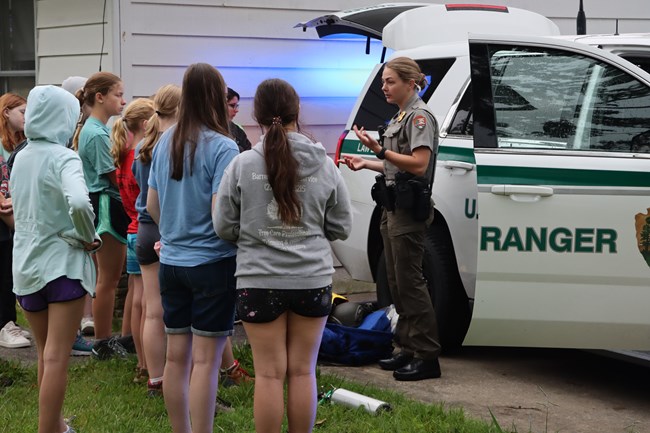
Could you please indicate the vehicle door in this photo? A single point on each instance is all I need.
(562, 147)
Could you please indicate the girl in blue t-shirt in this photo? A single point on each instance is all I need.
(197, 269)
(165, 103)
(104, 94)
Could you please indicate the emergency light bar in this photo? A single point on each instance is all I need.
(474, 7)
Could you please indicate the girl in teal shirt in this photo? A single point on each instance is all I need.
(104, 94)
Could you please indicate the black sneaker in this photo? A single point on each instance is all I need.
(222, 406)
(127, 343)
(108, 348)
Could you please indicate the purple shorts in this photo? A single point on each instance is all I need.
(63, 289)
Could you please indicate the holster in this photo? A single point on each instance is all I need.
(383, 194)
(413, 193)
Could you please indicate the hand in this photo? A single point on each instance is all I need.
(92, 246)
(367, 140)
(353, 162)
(157, 247)
(6, 207)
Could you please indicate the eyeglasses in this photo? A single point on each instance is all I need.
(234, 106)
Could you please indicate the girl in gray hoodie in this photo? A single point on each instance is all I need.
(281, 203)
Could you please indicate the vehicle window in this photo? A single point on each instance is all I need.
(555, 100)
(640, 61)
(463, 121)
(375, 111)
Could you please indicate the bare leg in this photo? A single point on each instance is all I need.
(88, 307)
(110, 259)
(303, 341)
(153, 338)
(269, 344)
(177, 379)
(55, 330)
(206, 356)
(127, 314)
(228, 359)
(136, 317)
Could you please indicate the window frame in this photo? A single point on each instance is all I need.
(485, 113)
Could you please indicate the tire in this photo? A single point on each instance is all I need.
(445, 287)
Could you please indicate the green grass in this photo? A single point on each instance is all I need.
(103, 398)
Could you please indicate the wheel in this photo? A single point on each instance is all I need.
(445, 287)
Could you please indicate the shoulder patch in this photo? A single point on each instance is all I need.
(419, 121)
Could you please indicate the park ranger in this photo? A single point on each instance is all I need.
(406, 153)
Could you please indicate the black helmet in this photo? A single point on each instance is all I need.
(350, 313)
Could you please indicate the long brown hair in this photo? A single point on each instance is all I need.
(276, 105)
(138, 110)
(203, 104)
(9, 138)
(165, 103)
(99, 82)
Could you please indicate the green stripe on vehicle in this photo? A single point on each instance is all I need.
(450, 153)
(445, 153)
(354, 147)
(496, 175)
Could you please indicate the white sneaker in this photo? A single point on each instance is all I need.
(87, 326)
(24, 332)
(11, 337)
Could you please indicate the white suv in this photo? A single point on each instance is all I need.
(549, 142)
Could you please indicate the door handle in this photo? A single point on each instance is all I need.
(523, 193)
(459, 165)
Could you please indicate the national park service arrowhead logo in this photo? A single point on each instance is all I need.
(420, 122)
(642, 224)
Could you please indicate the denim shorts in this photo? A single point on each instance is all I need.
(266, 305)
(62, 289)
(199, 299)
(148, 235)
(132, 265)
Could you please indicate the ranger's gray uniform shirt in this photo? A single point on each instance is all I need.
(409, 129)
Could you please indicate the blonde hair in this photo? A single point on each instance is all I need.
(407, 69)
(138, 110)
(165, 103)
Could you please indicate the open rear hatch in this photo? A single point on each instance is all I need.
(369, 21)
(402, 26)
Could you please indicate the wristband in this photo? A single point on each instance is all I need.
(382, 153)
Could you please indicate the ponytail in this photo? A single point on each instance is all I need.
(165, 103)
(151, 137)
(79, 94)
(276, 105)
(135, 113)
(282, 172)
(119, 138)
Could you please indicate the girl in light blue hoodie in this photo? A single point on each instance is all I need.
(54, 236)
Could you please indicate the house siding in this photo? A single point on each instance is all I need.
(248, 41)
(69, 39)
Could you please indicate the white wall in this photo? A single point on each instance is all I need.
(248, 41)
(69, 39)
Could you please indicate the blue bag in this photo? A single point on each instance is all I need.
(368, 343)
